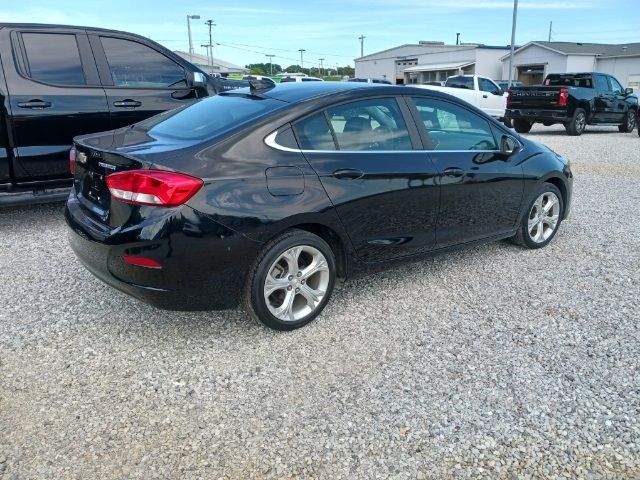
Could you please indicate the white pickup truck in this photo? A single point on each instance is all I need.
(481, 92)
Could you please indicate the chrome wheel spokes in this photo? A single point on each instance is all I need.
(296, 283)
(544, 217)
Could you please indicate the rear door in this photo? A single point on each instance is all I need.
(54, 95)
(139, 80)
(368, 156)
(481, 189)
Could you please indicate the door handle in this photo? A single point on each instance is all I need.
(127, 103)
(453, 172)
(348, 173)
(35, 104)
(485, 96)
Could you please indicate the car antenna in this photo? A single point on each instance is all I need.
(261, 84)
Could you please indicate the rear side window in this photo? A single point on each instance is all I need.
(375, 124)
(451, 127)
(314, 133)
(53, 58)
(135, 65)
(208, 118)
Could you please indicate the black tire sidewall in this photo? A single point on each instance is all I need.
(272, 252)
(524, 224)
(571, 126)
(522, 126)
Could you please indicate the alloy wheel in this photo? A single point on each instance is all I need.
(631, 121)
(296, 283)
(581, 121)
(544, 217)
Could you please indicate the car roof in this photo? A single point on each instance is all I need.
(70, 27)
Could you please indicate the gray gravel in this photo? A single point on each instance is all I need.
(496, 362)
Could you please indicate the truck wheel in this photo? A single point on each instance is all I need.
(522, 126)
(507, 122)
(576, 125)
(629, 122)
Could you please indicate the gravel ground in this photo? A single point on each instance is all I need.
(496, 362)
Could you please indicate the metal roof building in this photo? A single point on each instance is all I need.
(218, 66)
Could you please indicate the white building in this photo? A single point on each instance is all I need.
(428, 61)
(216, 66)
(533, 61)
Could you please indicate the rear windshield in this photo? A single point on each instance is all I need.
(460, 82)
(569, 81)
(209, 117)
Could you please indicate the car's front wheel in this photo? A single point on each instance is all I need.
(542, 218)
(291, 281)
(629, 122)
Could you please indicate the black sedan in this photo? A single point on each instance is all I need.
(263, 196)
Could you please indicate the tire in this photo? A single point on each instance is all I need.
(577, 124)
(521, 125)
(533, 233)
(288, 307)
(507, 122)
(628, 123)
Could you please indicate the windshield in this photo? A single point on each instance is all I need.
(209, 117)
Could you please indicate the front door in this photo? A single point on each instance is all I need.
(492, 101)
(139, 81)
(54, 95)
(603, 102)
(481, 189)
(619, 101)
(367, 155)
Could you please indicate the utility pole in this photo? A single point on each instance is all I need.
(211, 24)
(457, 39)
(550, 25)
(270, 63)
(189, 18)
(361, 38)
(209, 55)
(513, 40)
(321, 65)
(301, 50)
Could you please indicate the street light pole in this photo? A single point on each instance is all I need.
(301, 50)
(189, 18)
(321, 65)
(513, 40)
(270, 64)
(361, 38)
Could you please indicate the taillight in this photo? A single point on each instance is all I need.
(564, 94)
(141, 261)
(153, 187)
(509, 93)
(72, 160)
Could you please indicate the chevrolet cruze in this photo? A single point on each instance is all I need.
(262, 197)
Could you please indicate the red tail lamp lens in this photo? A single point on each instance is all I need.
(141, 261)
(72, 160)
(153, 187)
(564, 94)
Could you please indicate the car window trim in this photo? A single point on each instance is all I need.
(104, 69)
(86, 61)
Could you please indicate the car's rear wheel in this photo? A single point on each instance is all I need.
(521, 125)
(291, 281)
(629, 122)
(577, 124)
(542, 217)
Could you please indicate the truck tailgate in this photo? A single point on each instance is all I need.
(535, 97)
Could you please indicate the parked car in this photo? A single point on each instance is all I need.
(370, 80)
(299, 78)
(479, 91)
(58, 81)
(504, 84)
(574, 100)
(263, 197)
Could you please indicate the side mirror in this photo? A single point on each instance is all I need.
(199, 79)
(509, 145)
(628, 91)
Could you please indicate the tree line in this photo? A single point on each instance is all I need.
(266, 69)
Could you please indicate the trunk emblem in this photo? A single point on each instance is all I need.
(107, 166)
(82, 158)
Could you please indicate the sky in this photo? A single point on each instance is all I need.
(247, 30)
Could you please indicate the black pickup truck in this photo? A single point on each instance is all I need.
(57, 82)
(575, 100)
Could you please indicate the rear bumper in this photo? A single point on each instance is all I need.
(538, 115)
(204, 264)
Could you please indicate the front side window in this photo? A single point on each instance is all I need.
(53, 58)
(451, 127)
(487, 85)
(375, 124)
(137, 66)
(616, 88)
